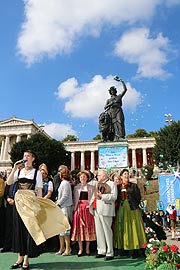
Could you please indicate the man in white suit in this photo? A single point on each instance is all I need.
(104, 210)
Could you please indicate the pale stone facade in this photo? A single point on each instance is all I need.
(83, 154)
(143, 146)
(13, 130)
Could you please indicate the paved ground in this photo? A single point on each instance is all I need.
(172, 242)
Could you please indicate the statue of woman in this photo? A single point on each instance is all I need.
(114, 108)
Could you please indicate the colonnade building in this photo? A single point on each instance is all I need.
(13, 130)
(82, 154)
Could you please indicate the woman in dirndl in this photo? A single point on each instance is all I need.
(26, 179)
(35, 219)
(83, 228)
(129, 231)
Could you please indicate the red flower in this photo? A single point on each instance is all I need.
(154, 249)
(144, 245)
(165, 248)
(178, 265)
(174, 248)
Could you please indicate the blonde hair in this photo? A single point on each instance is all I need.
(65, 173)
(43, 167)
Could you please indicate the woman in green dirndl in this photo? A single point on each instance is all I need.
(129, 231)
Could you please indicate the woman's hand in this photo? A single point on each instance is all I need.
(98, 195)
(10, 201)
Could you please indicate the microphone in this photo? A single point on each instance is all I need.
(22, 161)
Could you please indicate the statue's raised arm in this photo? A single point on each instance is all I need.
(116, 78)
(124, 88)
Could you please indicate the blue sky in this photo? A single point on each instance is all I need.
(58, 59)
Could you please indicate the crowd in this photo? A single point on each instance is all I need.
(165, 219)
(102, 212)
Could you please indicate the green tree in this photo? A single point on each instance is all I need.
(139, 133)
(97, 137)
(167, 148)
(153, 134)
(147, 171)
(48, 151)
(70, 138)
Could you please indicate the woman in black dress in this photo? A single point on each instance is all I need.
(26, 179)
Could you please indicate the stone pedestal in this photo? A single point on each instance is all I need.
(113, 155)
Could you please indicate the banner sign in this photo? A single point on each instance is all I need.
(178, 206)
(169, 189)
(111, 157)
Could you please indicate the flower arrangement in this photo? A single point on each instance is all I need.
(150, 233)
(160, 256)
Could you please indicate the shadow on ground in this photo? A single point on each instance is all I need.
(115, 264)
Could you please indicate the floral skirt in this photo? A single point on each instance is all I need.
(83, 227)
(129, 232)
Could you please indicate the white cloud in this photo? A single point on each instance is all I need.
(59, 131)
(88, 100)
(53, 27)
(151, 55)
(132, 98)
(67, 88)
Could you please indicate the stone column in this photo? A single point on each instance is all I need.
(134, 162)
(82, 161)
(144, 157)
(72, 161)
(92, 165)
(18, 138)
(6, 148)
(2, 147)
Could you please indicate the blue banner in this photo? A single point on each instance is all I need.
(169, 189)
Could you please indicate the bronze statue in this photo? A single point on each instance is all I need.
(105, 127)
(111, 121)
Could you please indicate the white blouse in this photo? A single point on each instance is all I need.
(30, 175)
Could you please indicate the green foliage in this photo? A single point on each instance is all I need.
(166, 266)
(97, 137)
(167, 148)
(74, 173)
(70, 138)
(147, 171)
(141, 133)
(153, 134)
(48, 151)
(159, 256)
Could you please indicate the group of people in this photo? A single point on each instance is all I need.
(99, 210)
(167, 220)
